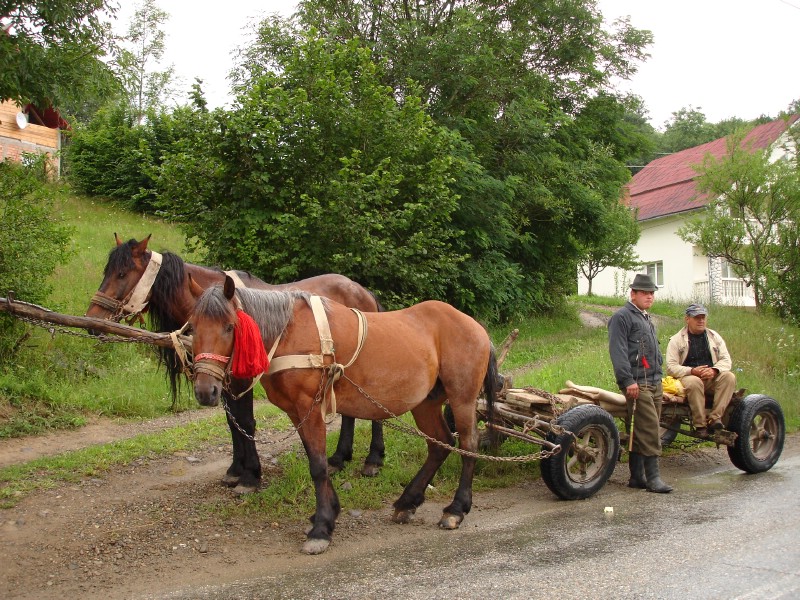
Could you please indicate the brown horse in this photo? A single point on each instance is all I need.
(413, 359)
(170, 303)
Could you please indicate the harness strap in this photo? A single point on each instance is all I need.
(141, 293)
(333, 370)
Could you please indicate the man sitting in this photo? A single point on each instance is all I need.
(699, 357)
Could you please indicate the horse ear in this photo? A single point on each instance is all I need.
(141, 247)
(116, 239)
(230, 288)
(194, 288)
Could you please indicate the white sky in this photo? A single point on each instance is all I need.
(728, 58)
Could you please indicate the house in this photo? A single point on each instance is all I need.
(665, 196)
(27, 130)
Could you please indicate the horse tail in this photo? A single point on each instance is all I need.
(491, 385)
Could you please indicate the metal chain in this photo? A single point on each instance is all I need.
(103, 337)
(414, 431)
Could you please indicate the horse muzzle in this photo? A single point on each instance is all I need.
(207, 391)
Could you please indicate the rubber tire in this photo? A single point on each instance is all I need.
(757, 416)
(593, 426)
(668, 435)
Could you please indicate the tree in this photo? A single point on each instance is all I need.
(520, 82)
(687, 128)
(143, 47)
(319, 168)
(51, 50)
(614, 245)
(753, 218)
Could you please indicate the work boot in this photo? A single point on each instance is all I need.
(636, 464)
(654, 482)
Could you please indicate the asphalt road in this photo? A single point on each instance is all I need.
(721, 535)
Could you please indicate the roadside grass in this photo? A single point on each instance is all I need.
(58, 380)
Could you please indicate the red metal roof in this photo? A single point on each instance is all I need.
(666, 185)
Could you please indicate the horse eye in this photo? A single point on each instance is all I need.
(229, 328)
(121, 274)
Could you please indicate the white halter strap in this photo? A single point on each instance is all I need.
(141, 293)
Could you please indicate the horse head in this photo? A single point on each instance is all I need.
(126, 264)
(212, 325)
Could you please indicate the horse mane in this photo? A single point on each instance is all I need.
(272, 310)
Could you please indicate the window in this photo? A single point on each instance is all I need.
(727, 270)
(656, 272)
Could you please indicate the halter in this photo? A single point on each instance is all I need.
(136, 301)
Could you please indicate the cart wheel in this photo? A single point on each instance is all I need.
(587, 460)
(668, 430)
(758, 422)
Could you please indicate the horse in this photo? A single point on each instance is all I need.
(413, 359)
(167, 299)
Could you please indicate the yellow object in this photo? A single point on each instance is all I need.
(673, 387)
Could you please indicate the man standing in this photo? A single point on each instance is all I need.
(633, 346)
(699, 357)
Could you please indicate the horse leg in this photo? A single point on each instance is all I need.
(246, 463)
(465, 420)
(344, 447)
(377, 450)
(327, 502)
(430, 421)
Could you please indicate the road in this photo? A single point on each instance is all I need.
(721, 535)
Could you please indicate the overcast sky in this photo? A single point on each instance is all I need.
(728, 58)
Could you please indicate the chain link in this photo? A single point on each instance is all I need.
(103, 337)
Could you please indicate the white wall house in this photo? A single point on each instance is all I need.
(665, 197)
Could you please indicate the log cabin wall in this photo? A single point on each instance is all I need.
(34, 139)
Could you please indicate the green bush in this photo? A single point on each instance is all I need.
(33, 240)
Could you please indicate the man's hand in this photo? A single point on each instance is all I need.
(632, 391)
(704, 372)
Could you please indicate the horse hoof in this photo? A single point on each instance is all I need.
(230, 480)
(316, 546)
(242, 490)
(449, 521)
(370, 470)
(333, 469)
(403, 516)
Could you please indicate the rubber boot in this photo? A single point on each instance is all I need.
(636, 464)
(654, 483)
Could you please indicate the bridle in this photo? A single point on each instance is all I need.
(136, 301)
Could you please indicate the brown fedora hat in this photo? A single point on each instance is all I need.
(643, 283)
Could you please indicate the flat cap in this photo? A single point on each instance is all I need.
(693, 310)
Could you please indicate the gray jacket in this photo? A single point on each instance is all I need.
(630, 337)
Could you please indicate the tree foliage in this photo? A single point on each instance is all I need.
(318, 168)
(752, 221)
(50, 50)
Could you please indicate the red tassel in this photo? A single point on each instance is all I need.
(645, 363)
(249, 356)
